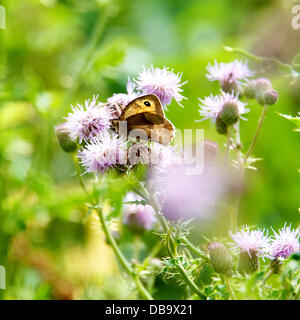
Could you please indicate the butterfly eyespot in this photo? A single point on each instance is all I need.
(147, 103)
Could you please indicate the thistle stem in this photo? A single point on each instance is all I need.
(124, 263)
(260, 122)
(229, 288)
(268, 276)
(127, 267)
(188, 280)
(194, 249)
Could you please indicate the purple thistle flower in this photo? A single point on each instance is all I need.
(285, 243)
(124, 98)
(137, 216)
(162, 82)
(211, 106)
(87, 121)
(185, 196)
(251, 241)
(102, 152)
(229, 74)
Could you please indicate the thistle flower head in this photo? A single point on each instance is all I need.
(102, 152)
(285, 242)
(251, 241)
(162, 82)
(124, 98)
(229, 74)
(137, 216)
(210, 107)
(87, 121)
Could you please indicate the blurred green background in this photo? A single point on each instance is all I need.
(54, 53)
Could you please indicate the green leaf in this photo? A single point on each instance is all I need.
(294, 120)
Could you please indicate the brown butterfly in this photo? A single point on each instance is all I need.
(145, 113)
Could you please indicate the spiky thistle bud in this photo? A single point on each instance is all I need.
(248, 262)
(64, 139)
(220, 258)
(262, 85)
(250, 89)
(230, 113)
(221, 126)
(270, 97)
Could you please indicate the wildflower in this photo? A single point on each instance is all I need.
(162, 82)
(185, 196)
(230, 75)
(212, 106)
(252, 244)
(122, 99)
(285, 243)
(102, 152)
(138, 217)
(251, 241)
(87, 121)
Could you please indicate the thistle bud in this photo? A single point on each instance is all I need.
(262, 85)
(270, 97)
(220, 258)
(250, 89)
(221, 126)
(230, 113)
(64, 139)
(248, 262)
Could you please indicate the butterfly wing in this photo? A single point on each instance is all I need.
(146, 113)
(149, 104)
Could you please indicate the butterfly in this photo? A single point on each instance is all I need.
(145, 115)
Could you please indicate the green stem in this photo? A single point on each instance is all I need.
(194, 249)
(229, 288)
(127, 267)
(124, 263)
(228, 143)
(260, 122)
(78, 173)
(268, 276)
(189, 281)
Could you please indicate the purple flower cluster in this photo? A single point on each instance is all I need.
(162, 82)
(281, 245)
(87, 121)
(231, 77)
(89, 124)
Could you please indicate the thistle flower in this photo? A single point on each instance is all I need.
(185, 196)
(251, 241)
(138, 217)
(102, 152)
(162, 82)
(87, 121)
(230, 75)
(211, 107)
(285, 243)
(124, 98)
(252, 244)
